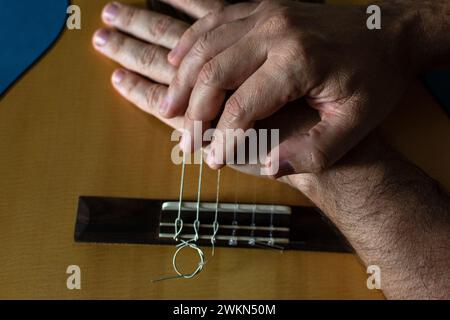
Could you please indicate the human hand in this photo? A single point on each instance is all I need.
(140, 39)
(146, 73)
(282, 51)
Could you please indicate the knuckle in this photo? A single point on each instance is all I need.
(235, 109)
(286, 74)
(147, 57)
(128, 16)
(209, 73)
(212, 18)
(280, 20)
(177, 82)
(131, 86)
(152, 96)
(159, 28)
(218, 7)
(201, 47)
(117, 44)
(190, 34)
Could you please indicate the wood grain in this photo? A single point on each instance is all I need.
(64, 132)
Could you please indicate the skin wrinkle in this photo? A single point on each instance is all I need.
(129, 16)
(147, 57)
(159, 28)
(118, 43)
(152, 95)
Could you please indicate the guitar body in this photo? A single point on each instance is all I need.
(65, 133)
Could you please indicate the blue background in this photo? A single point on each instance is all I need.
(27, 29)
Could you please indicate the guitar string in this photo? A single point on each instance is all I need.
(252, 240)
(234, 223)
(191, 243)
(179, 225)
(271, 242)
(178, 220)
(199, 193)
(216, 215)
(178, 229)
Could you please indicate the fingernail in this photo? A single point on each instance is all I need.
(101, 37)
(285, 169)
(164, 106)
(118, 76)
(110, 12)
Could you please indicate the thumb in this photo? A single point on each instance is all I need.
(319, 148)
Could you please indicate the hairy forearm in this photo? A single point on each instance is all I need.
(394, 216)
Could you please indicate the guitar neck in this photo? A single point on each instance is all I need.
(141, 221)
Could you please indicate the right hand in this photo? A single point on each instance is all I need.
(272, 52)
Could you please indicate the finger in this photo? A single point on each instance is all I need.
(135, 55)
(265, 92)
(144, 24)
(227, 71)
(321, 147)
(196, 8)
(192, 138)
(143, 93)
(206, 24)
(208, 46)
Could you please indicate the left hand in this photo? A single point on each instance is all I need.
(139, 40)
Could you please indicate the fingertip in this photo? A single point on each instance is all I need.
(212, 159)
(212, 164)
(118, 76)
(185, 143)
(173, 61)
(173, 57)
(215, 166)
(110, 12)
(100, 38)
